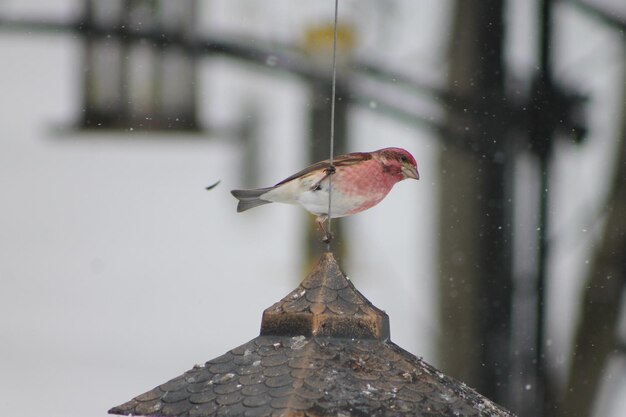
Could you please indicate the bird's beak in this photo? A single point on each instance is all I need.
(410, 172)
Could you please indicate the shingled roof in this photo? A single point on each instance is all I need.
(324, 350)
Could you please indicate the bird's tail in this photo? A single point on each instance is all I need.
(250, 198)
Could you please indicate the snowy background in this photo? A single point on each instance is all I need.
(118, 271)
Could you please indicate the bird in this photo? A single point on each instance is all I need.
(360, 180)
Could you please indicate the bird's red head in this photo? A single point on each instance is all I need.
(402, 159)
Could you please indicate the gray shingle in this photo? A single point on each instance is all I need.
(324, 350)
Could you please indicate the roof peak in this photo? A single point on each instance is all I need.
(352, 369)
(326, 303)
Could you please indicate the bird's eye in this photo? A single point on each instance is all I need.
(404, 158)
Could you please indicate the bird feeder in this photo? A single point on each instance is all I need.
(324, 350)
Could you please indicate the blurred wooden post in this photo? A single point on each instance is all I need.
(475, 251)
(603, 300)
(318, 44)
(319, 150)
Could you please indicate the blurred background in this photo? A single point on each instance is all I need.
(504, 266)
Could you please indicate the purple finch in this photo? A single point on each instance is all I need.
(359, 181)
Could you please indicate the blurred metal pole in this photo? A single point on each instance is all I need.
(87, 64)
(542, 131)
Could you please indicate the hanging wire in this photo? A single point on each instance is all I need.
(331, 167)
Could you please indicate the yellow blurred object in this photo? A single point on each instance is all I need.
(319, 39)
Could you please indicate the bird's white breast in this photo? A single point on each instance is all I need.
(314, 199)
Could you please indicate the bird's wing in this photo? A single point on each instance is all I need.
(340, 161)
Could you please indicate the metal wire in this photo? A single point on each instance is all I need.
(332, 128)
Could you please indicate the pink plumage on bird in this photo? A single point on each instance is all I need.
(359, 181)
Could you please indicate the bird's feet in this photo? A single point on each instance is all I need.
(327, 236)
